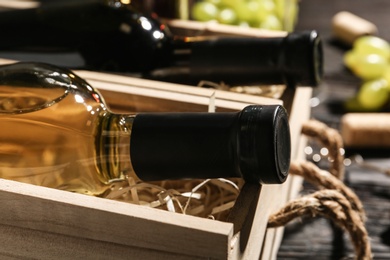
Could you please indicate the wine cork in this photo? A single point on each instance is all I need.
(366, 130)
(347, 27)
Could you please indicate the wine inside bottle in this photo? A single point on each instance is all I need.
(56, 131)
(113, 36)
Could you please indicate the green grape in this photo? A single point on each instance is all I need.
(230, 3)
(287, 12)
(353, 105)
(245, 11)
(253, 13)
(386, 76)
(349, 59)
(280, 8)
(271, 22)
(290, 17)
(369, 66)
(248, 11)
(204, 11)
(372, 45)
(268, 7)
(243, 24)
(227, 16)
(265, 8)
(373, 94)
(215, 2)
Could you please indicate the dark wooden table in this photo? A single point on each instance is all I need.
(315, 238)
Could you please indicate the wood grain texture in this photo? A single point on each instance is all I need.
(85, 217)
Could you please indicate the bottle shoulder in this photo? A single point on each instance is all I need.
(136, 43)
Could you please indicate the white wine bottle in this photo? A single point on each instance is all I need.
(56, 131)
(112, 36)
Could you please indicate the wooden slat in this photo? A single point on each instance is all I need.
(25, 243)
(18, 4)
(298, 114)
(193, 28)
(27, 206)
(110, 84)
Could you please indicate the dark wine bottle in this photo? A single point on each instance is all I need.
(165, 8)
(113, 36)
(56, 131)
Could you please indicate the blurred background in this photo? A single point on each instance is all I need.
(315, 239)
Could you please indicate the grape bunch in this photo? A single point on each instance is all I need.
(266, 14)
(369, 59)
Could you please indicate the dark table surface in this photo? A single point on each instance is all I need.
(315, 238)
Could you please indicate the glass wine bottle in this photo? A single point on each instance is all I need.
(56, 131)
(111, 35)
(165, 8)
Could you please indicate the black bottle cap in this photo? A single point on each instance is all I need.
(253, 144)
(265, 145)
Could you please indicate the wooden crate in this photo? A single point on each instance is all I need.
(43, 223)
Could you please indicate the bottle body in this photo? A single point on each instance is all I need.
(108, 34)
(128, 41)
(296, 59)
(59, 136)
(56, 131)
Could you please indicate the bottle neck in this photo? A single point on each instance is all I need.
(292, 60)
(232, 60)
(186, 145)
(253, 144)
(113, 147)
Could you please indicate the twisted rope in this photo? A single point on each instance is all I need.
(332, 140)
(332, 205)
(325, 180)
(334, 200)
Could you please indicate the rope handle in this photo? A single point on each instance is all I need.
(332, 205)
(332, 140)
(334, 200)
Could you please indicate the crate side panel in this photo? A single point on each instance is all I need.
(24, 243)
(54, 211)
